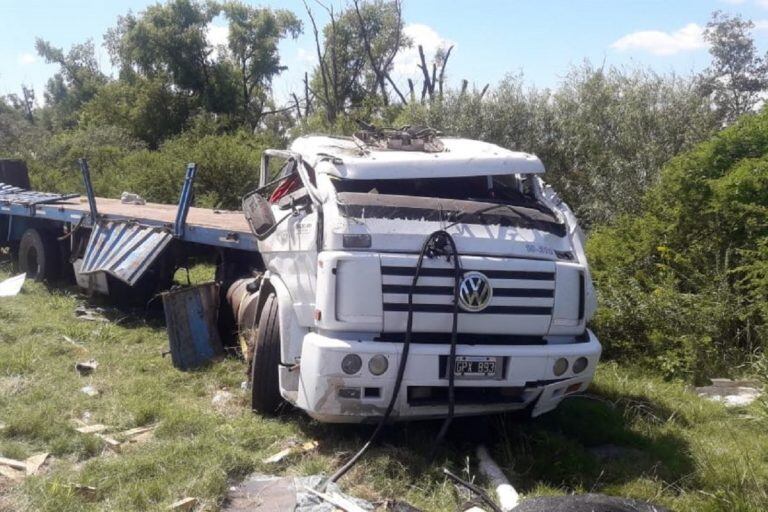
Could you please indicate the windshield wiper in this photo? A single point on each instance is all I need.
(480, 212)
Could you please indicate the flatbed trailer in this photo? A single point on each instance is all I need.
(218, 228)
(116, 238)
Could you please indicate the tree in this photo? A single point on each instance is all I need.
(355, 55)
(77, 81)
(737, 74)
(254, 35)
(166, 41)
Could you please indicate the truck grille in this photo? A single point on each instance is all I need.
(521, 303)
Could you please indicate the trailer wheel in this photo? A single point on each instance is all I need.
(39, 255)
(265, 385)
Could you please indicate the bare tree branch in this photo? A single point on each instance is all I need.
(442, 70)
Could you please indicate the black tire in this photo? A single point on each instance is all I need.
(265, 385)
(39, 255)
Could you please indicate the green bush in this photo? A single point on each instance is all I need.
(683, 285)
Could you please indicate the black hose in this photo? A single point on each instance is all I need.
(454, 339)
(475, 489)
(429, 248)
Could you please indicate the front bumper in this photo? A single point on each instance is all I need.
(527, 379)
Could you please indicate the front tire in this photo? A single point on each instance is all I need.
(265, 383)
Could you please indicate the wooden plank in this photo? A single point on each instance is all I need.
(12, 463)
(92, 429)
(35, 462)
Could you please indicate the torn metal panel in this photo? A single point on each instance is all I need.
(191, 316)
(125, 250)
(15, 195)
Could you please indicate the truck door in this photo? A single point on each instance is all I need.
(291, 251)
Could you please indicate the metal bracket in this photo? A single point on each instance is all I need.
(185, 201)
(89, 188)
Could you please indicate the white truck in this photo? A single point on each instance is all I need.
(412, 276)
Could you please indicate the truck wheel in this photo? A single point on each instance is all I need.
(265, 385)
(39, 255)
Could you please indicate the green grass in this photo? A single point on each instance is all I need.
(683, 452)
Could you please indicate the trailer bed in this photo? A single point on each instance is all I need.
(221, 228)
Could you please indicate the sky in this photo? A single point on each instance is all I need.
(542, 39)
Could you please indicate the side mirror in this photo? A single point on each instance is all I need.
(258, 212)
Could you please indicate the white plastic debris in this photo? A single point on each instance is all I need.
(732, 393)
(12, 286)
(90, 390)
(131, 198)
(506, 494)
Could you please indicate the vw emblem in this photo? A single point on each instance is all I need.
(475, 292)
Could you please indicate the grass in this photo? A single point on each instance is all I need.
(678, 450)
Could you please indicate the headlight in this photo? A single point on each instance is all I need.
(351, 364)
(580, 365)
(378, 364)
(561, 366)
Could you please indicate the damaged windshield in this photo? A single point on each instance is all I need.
(506, 200)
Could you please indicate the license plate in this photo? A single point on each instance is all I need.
(476, 366)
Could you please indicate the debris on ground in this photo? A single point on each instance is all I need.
(86, 491)
(112, 443)
(295, 449)
(35, 462)
(732, 393)
(11, 474)
(90, 390)
(86, 367)
(336, 500)
(92, 429)
(13, 463)
(506, 495)
(12, 286)
(132, 198)
(268, 493)
(16, 470)
(221, 399)
(91, 314)
(76, 344)
(137, 431)
(183, 504)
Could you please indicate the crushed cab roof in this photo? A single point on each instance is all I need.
(344, 157)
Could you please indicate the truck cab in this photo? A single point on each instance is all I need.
(347, 281)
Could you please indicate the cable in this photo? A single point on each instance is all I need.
(447, 238)
(475, 489)
(431, 250)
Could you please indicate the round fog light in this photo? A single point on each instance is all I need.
(580, 365)
(351, 364)
(378, 364)
(561, 366)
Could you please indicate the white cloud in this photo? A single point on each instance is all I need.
(762, 3)
(406, 62)
(761, 24)
(27, 58)
(217, 35)
(306, 56)
(688, 38)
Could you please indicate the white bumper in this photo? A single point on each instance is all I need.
(329, 395)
